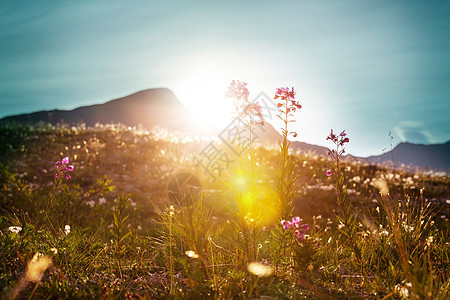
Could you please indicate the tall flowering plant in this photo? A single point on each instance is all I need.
(247, 117)
(287, 105)
(285, 178)
(348, 219)
(339, 141)
(238, 91)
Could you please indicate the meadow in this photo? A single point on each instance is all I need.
(113, 212)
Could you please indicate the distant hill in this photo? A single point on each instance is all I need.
(153, 107)
(160, 107)
(436, 157)
(150, 108)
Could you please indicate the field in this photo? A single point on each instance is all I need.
(140, 219)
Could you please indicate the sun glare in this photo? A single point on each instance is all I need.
(203, 93)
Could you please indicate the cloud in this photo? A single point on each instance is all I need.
(413, 132)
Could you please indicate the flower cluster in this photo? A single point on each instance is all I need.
(296, 226)
(238, 90)
(340, 139)
(287, 106)
(63, 166)
(254, 109)
(287, 95)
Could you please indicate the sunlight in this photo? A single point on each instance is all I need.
(203, 92)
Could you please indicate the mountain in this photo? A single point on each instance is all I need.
(160, 107)
(436, 156)
(150, 108)
(153, 107)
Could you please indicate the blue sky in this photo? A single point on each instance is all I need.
(369, 67)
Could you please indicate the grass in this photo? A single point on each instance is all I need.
(127, 239)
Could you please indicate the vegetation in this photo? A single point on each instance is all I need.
(334, 229)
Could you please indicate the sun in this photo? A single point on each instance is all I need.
(203, 93)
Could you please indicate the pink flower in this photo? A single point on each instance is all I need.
(63, 167)
(286, 94)
(328, 173)
(296, 221)
(304, 227)
(286, 224)
(238, 90)
(254, 109)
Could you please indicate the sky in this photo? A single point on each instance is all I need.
(369, 67)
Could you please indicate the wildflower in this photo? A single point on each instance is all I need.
(238, 90)
(66, 229)
(15, 229)
(328, 172)
(254, 109)
(287, 95)
(296, 221)
(286, 224)
(298, 230)
(63, 167)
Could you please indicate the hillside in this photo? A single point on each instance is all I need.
(160, 107)
(436, 157)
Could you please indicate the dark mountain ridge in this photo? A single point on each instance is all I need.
(160, 107)
(434, 156)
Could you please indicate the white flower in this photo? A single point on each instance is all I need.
(67, 229)
(101, 200)
(15, 229)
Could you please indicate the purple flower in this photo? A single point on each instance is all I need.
(328, 172)
(296, 221)
(286, 224)
(238, 90)
(64, 166)
(304, 228)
